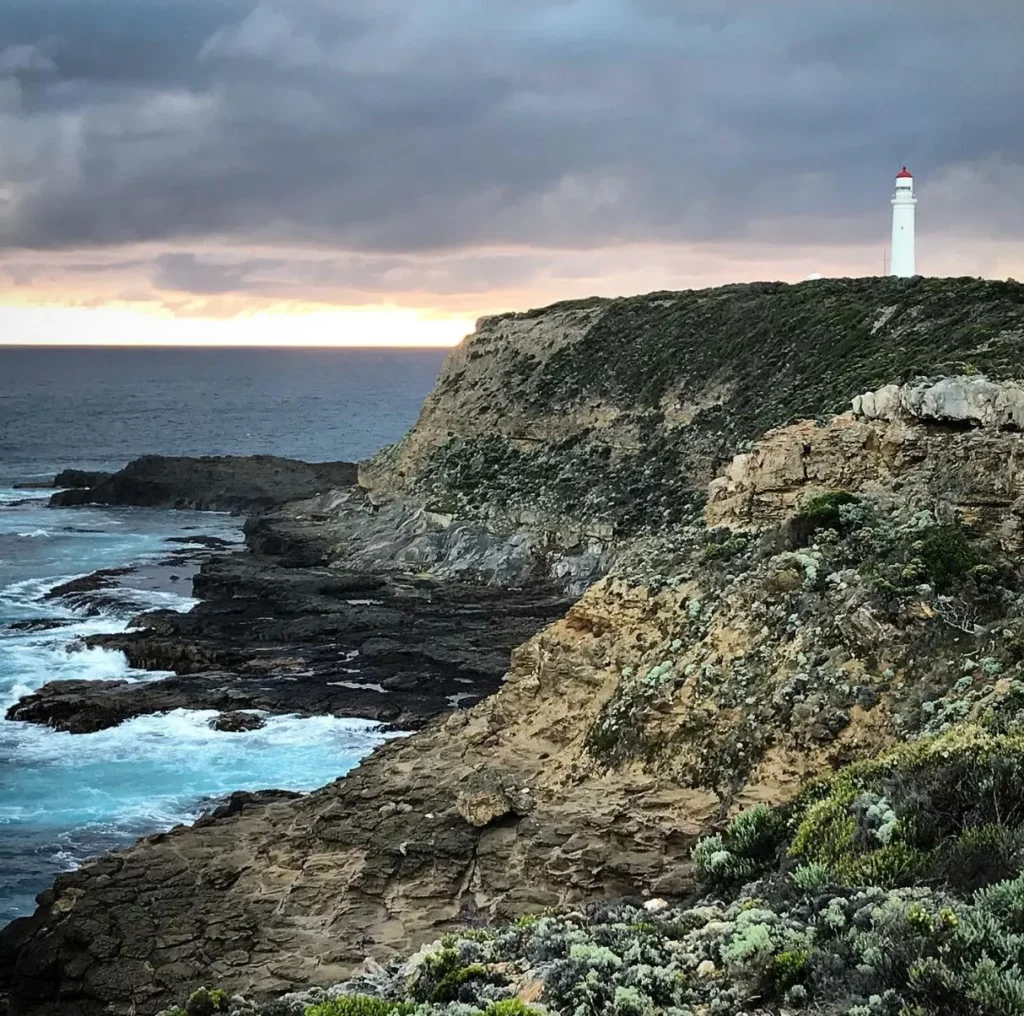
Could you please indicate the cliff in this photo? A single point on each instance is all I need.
(855, 584)
(602, 419)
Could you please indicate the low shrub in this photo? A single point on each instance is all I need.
(361, 1005)
(442, 975)
(749, 845)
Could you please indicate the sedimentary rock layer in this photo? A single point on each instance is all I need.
(954, 445)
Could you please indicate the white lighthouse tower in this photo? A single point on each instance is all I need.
(901, 255)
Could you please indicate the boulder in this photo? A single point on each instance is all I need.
(970, 400)
(237, 722)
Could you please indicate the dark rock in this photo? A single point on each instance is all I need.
(213, 542)
(238, 722)
(380, 647)
(242, 799)
(79, 478)
(377, 643)
(102, 579)
(267, 638)
(211, 483)
(82, 707)
(39, 624)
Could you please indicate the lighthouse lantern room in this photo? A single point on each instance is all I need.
(901, 255)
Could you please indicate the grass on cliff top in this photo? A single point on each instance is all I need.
(788, 350)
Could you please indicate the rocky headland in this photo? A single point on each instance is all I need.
(222, 483)
(768, 760)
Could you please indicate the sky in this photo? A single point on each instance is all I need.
(386, 171)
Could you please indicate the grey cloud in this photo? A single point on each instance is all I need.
(22, 58)
(391, 127)
(341, 276)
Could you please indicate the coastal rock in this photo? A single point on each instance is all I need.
(66, 479)
(238, 722)
(241, 800)
(393, 647)
(106, 578)
(39, 624)
(210, 483)
(79, 478)
(361, 531)
(970, 400)
(951, 446)
(482, 807)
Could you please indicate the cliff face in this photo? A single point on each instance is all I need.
(601, 419)
(855, 584)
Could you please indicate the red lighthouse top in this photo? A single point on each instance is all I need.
(904, 173)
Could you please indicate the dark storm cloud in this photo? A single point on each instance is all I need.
(396, 126)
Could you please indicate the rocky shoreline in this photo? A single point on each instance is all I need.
(836, 620)
(278, 630)
(211, 483)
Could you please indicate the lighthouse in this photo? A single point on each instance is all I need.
(901, 256)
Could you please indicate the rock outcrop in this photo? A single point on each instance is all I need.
(210, 483)
(711, 671)
(958, 401)
(67, 478)
(952, 445)
(597, 420)
(339, 605)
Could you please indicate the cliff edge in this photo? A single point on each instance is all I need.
(606, 419)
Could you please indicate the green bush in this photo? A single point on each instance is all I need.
(785, 969)
(511, 1007)
(748, 846)
(982, 855)
(442, 975)
(207, 1002)
(940, 794)
(945, 555)
(813, 877)
(361, 1005)
(823, 511)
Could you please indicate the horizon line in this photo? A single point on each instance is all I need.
(71, 344)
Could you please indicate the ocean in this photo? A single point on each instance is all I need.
(66, 797)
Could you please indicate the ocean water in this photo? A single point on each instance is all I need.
(98, 408)
(66, 797)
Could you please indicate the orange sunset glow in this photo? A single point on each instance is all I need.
(59, 308)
